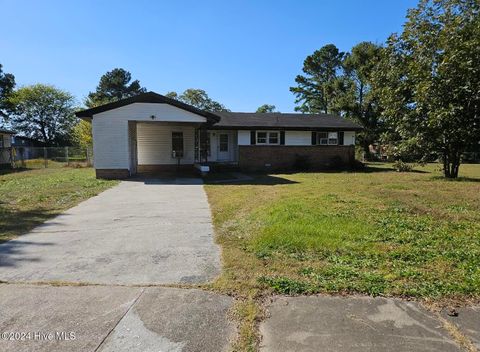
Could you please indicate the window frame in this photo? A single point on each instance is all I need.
(325, 138)
(220, 143)
(267, 137)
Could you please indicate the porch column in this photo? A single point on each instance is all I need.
(203, 152)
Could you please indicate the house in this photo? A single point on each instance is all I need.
(150, 132)
(27, 148)
(5, 147)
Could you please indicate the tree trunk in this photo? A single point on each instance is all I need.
(451, 163)
(366, 151)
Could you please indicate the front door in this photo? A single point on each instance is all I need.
(223, 147)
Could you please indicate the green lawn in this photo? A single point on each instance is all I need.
(28, 198)
(376, 232)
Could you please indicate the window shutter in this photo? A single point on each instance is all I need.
(252, 138)
(282, 137)
(314, 138)
(340, 138)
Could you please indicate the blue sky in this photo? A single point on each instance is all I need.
(243, 53)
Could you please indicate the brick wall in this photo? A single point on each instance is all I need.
(112, 174)
(317, 157)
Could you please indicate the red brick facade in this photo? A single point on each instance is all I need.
(283, 157)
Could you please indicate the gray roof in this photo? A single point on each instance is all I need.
(249, 120)
(6, 131)
(238, 120)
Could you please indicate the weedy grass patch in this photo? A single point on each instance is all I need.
(376, 232)
(30, 197)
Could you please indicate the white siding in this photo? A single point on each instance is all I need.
(349, 138)
(243, 137)
(298, 138)
(110, 143)
(110, 130)
(154, 143)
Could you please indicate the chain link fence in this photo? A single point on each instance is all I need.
(45, 157)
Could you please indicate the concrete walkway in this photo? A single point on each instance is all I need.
(139, 232)
(117, 245)
(117, 319)
(357, 324)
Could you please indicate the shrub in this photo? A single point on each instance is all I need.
(357, 165)
(401, 166)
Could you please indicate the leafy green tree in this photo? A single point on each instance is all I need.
(315, 91)
(7, 83)
(43, 112)
(114, 85)
(198, 98)
(266, 108)
(82, 134)
(358, 100)
(429, 82)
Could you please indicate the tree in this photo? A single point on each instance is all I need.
(429, 82)
(266, 108)
(315, 90)
(359, 101)
(114, 85)
(43, 112)
(198, 98)
(82, 134)
(7, 83)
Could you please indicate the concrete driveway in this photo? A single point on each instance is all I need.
(139, 232)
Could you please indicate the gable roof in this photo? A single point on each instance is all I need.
(246, 120)
(237, 120)
(149, 97)
(6, 131)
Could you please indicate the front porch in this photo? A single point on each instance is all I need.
(175, 147)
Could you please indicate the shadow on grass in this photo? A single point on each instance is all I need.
(253, 180)
(13, 171)
(459, 179)
(16, 223)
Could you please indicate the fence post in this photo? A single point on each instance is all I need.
(88, 156)
(45, 156)
(66, 156)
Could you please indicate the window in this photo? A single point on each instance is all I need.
(267, 137)
(327, 138)
(223, 142)
(177, 144)
(322, 138)
(261, 137)
(273, 138)
(332, 138)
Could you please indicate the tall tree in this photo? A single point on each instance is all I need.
(429, 82)
(43, 112)
(82, 134)
(114, 85)
(266, 108)
(359, 101)
(315, 90)
(7, 83)
(198, 98)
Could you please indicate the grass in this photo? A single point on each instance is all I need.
(376, 232)
(29, 197)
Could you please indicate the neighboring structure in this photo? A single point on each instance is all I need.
(150, 132)
(27, 148)
(5, 147)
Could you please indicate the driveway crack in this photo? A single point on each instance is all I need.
(119, 320)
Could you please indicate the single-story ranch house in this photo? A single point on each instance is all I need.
(150, 132)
